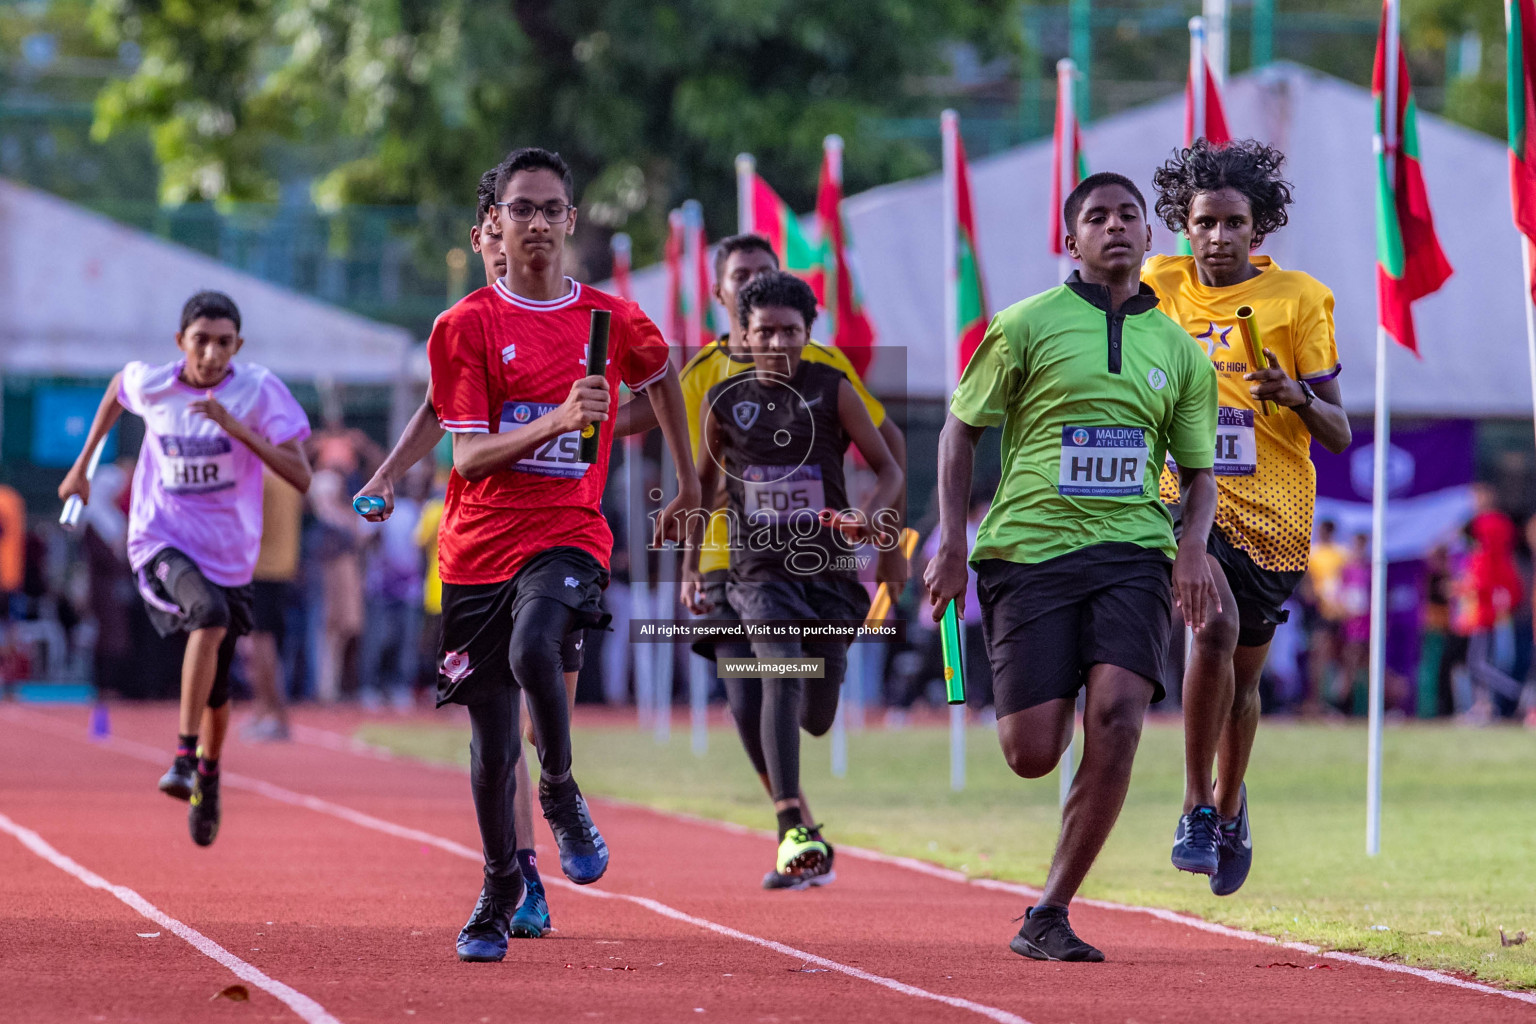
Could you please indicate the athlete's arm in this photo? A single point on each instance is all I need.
(1325, 417)
(421, 435)
(890, 564)
(1194, 591)
(636, 416)
(945, 575)
(890, 480)
(477, 456)
(107, 414)
(667, 399)
(708, 471)
(287, 460)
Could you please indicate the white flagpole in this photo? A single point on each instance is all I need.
(746, 170)
(1197, 76)
(1388, 141)
(949, 130)
(1216, 38)
(1066, 170)
(693, 232)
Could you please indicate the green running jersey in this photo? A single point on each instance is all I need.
(1090, 402)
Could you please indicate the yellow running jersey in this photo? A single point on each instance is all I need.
(1264, 472)
(714, 364)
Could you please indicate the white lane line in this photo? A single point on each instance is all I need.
(346, 744)
(307, 1009)
(144, 752)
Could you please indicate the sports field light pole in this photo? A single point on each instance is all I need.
(949, 131)
(1386, 143)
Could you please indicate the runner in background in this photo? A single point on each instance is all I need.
(1093, 387)
(277, 567)
(194, 527)
(774, 438)
(1228, 199)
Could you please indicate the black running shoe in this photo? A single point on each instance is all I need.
(483, 939)
(583, 854)
(821, 874)
(177, 782)
(1236, 850)
(1048, 935)
(203, 815)
(1195, 841)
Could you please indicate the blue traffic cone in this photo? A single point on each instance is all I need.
(101, 721)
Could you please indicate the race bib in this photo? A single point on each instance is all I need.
(774, 493)
(199, 464)
(1103, 462)
(559, 456)
(1237, 452)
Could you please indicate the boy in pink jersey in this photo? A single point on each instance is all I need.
(194, 528)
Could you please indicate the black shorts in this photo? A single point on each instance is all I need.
(474, 657)
(810, 598)
(1260, 593)
(714, 592)
(269, 605)
(180, 599)
(1046, 624)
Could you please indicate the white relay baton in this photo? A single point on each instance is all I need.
(73, 506)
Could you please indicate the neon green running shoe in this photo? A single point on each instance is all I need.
(800, 851)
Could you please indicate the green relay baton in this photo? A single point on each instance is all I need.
(954, 667)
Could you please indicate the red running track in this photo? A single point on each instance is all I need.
(339, 881)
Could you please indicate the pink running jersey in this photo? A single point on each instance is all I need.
(196, 488)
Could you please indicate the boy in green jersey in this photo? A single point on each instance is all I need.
(1093, 387)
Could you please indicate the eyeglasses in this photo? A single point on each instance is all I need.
(522, 212)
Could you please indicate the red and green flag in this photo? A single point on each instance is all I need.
(1520, 18)
(970, 292)
(1204, 117)
(1067, 168)
(1409, 261)
(849, 327)
(676, 326)
(702, 307)
(774, 220)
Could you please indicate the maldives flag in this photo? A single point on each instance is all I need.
(971, 294)
(1203, 113)
(1520, 20)
(703, 309)
(1409, 262)
(850, 329)
(621, 283)
(1067, 169)
(774, 220)
(676, 326)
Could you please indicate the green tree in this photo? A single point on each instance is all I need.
(412, 99)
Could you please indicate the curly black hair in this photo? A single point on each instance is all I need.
(1247, 165)
(776, 288)
(485, 195)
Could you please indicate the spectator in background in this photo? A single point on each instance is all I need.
(277, 567)
(1325, 621)
(431, 517)
(1486, 596)
(337, 542)
(1354, 606)
(13, 546)
(1442, 650)
(104, 544)
(392, 627)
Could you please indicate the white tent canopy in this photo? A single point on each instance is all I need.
(82, 295)
(1471, 332)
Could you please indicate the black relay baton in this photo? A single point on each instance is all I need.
(597, 366)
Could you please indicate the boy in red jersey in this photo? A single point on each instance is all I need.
(523, 550)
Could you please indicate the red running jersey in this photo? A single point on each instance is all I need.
(500, 361)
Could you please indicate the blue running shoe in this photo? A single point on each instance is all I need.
(484, 937)
(1194, 843)
(1236, 849)
(583, 853)
(532, 918)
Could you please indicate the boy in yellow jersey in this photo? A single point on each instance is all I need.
(739, 260)
(1228, 199)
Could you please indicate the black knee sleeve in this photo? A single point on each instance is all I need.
(219, 695)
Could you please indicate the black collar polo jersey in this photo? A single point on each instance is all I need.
(782, 455)
(1091, 400)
